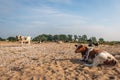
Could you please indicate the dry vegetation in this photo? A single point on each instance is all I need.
(51, 61)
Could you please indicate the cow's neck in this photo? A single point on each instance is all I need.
(85, 51)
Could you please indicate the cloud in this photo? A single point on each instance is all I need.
(47, 15)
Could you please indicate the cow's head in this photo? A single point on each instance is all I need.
(18, 37)
(81, 49)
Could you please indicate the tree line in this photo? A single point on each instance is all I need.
(60, 37)
(65, 38)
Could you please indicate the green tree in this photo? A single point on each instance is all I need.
(63, 37)
(75, 37)
(43, 38)
(94, 40)
(37, 38)
(12, 39)
(69, 37)
(1, 39)
(56, 37)
(101, 40)
(79, 38)
(50, 38)
(84, 38)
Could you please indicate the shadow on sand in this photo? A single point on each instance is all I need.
(74, 61)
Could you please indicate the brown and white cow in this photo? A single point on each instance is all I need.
(24, 39)
(96, 56)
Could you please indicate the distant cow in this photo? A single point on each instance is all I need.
(24, 39)
(95, 56)
(59, 42)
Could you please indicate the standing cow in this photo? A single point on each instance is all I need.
(24, 39)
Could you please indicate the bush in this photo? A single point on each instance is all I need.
(1, 39)
(12, 39)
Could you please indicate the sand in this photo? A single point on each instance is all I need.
(52, 61)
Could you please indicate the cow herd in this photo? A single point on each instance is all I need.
(90, 56)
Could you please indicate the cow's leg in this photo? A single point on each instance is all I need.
(83, 58)
(86, 57)
(87, 54)
(22, 42)
(28, 42)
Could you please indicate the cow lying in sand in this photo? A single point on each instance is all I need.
(24, 39)
(95, 56)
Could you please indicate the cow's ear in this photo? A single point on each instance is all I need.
(86, 47)
(76, 45)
